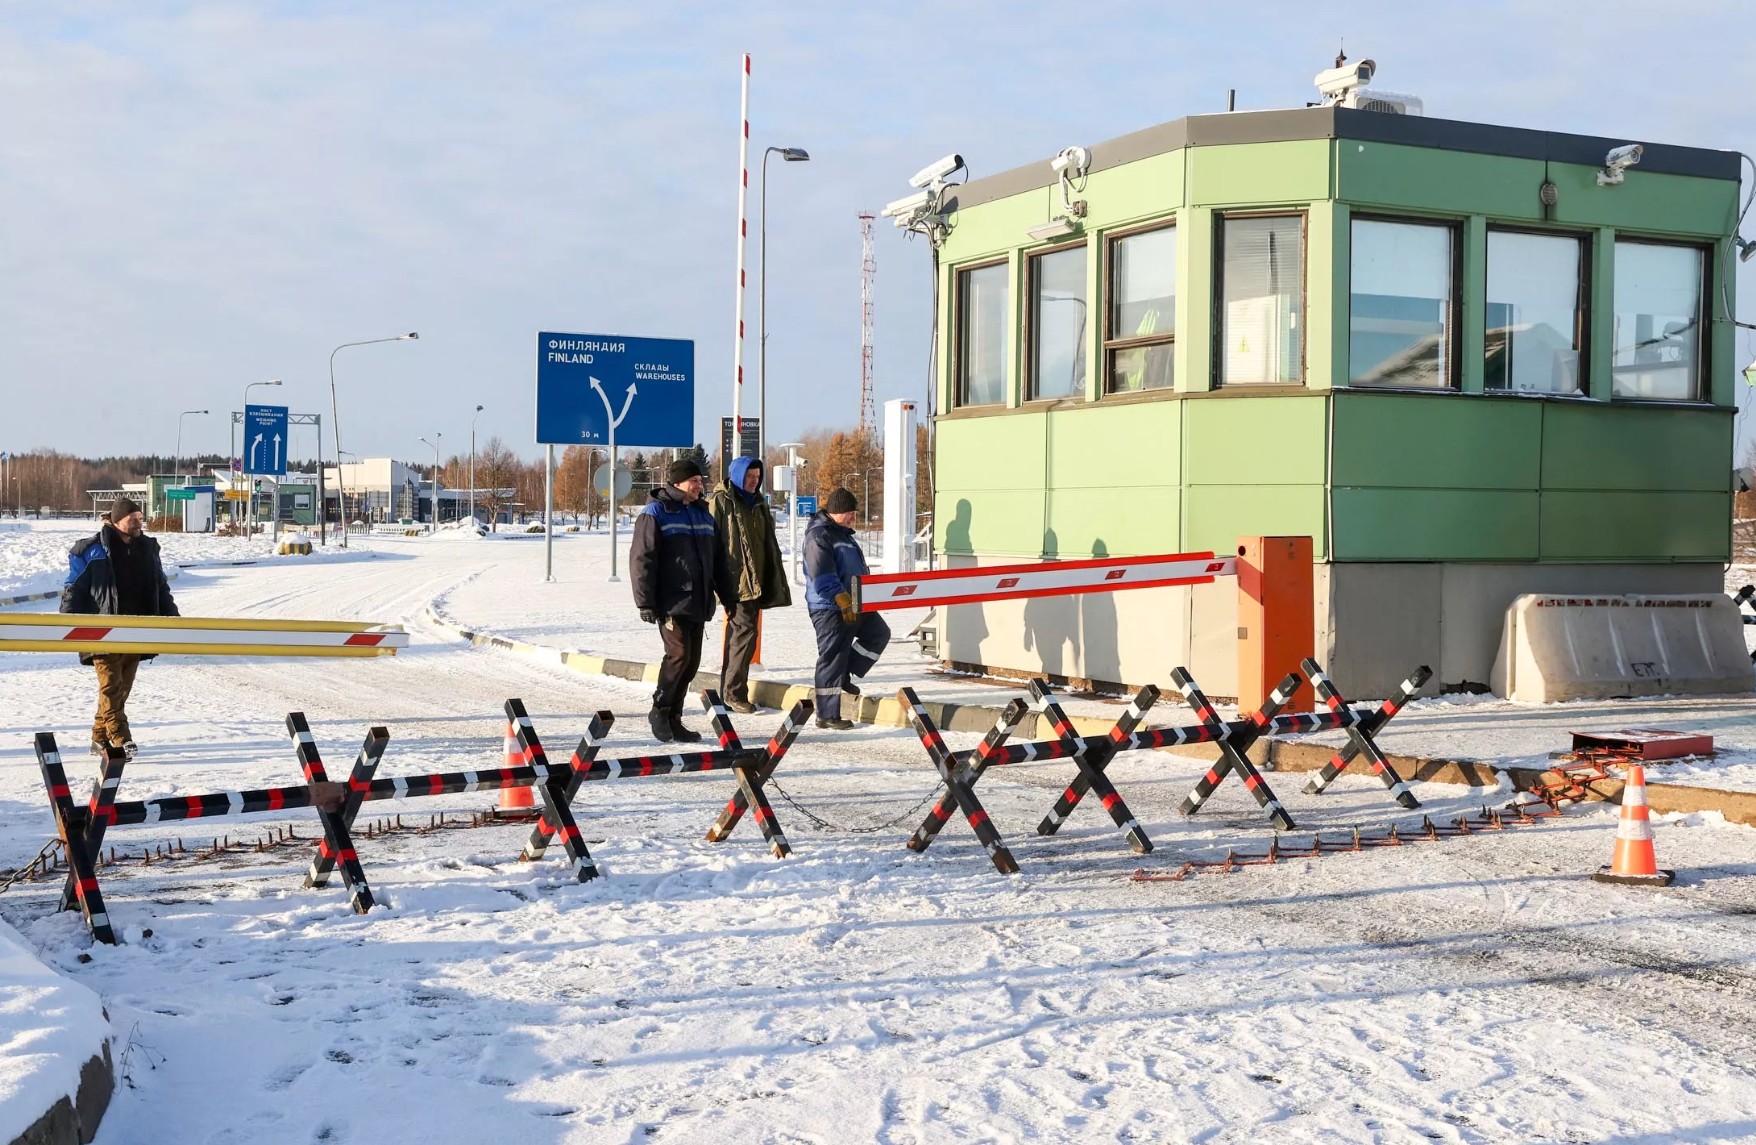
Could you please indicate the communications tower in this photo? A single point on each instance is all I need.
(868, 276)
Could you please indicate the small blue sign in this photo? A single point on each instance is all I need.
(804, 506)
(645, 386)
(265, 441)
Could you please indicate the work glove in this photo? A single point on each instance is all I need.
(648, 616)
(846, 604)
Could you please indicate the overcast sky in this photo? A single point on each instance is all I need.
(196, 196)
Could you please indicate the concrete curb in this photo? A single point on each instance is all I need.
(1271, 755)
(74, 1120)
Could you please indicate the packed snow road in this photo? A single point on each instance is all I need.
(1473, 990)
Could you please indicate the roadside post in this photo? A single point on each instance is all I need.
(587, 391)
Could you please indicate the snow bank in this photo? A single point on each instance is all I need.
(50, 1028)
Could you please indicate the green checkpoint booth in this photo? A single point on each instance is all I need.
(1450, 353)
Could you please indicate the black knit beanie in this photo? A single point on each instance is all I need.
(681, 470)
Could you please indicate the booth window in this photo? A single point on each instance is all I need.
(1057, 324)
(1262, 295)
(1140, 348)
(1537, 315)
(1402, 318)
(982, 329)
(1659, 321)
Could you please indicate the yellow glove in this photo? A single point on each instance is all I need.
(846, 604)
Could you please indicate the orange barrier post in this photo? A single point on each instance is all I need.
(1634, 861)
(1277, 628)
(520, 801)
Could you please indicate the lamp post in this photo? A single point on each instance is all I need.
(435, 444)
(472, 465)
(335, 419)
(790, 155)
(866, 499)
(177, 458)
(244, 436)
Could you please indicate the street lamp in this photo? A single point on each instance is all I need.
(244, 436)
(790, 155)
(177, 459)
(866, 501)
(335, 419)
(472, 465)
(435, 444)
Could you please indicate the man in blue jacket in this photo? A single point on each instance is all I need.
(848, 643)
(116, 573)
(678, 567)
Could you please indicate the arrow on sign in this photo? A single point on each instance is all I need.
(255, 442)
(278, 468)
(627, 402)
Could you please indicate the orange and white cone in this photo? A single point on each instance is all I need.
(516, 799)
(1634, 861)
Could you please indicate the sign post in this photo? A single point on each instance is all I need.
(587, 386)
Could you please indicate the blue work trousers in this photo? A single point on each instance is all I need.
(845, 652)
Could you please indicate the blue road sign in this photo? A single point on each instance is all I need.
(804, 506)
(646, 386)
(265, 440)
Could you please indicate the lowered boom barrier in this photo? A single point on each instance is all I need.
(196, 635)
(941, 587)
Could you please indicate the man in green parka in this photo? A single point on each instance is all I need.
(746, 530)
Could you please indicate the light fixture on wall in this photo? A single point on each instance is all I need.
(1058, 227)
(1750, 374)
(1746, 248)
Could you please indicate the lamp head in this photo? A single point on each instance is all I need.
(795, 154)
(411, 336)
(478, 409)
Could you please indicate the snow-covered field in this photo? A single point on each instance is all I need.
(1473, 990)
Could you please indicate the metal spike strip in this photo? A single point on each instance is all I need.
(956, 784)
(359, 782)
(978, 762)
(770, 757)
(1092, 761)
(1360, 737)
(337, 843)
(69, 824)
(97, 817)
(583, 755)
(553, 791)
(1235, 746)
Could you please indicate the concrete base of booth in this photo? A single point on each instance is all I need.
(1375, 622)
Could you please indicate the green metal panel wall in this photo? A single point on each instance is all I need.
(1428, 478)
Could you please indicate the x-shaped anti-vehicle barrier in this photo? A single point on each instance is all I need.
(82, 829)
(1093, 754)
(1360, 741)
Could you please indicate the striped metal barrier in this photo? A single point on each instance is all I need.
(82, 828)
(1093, 754)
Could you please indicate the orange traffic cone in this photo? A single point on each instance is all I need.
(1634, 861)
(519, 801)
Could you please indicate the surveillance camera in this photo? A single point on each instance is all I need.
(903, 208)
(1338, 81)
(1077, 158)
(1617, 162)
(938, 171)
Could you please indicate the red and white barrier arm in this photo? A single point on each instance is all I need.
(196, 635)
(1045, 578)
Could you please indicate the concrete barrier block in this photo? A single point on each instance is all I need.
(1555, 647)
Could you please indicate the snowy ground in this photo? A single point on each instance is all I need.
(1472, 990)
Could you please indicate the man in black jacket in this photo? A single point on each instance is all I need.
(679, 567)
(116, 573)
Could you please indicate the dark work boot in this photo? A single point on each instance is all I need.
(681, 732)
(659, 720)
